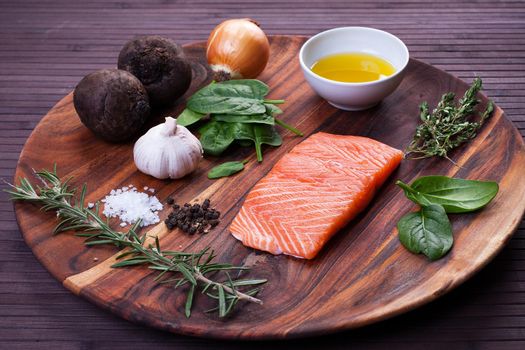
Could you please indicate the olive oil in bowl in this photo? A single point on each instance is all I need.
(353, 67)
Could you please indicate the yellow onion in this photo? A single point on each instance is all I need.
(238, 49)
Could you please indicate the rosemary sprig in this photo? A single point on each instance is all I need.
(448, 126)
(197, 270)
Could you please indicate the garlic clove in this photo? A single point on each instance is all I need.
(167, 150)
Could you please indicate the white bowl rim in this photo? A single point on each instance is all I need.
(341, 83)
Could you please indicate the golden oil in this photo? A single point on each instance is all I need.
(353, 67)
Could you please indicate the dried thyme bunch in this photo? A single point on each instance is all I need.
(197, 270)
(448, 126)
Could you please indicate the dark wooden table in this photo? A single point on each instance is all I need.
(47, 46)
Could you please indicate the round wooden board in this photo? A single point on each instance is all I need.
(363, 275)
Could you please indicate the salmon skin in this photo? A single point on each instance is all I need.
(312, 192)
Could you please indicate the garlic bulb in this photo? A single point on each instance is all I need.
(238, 49)
(167, 150)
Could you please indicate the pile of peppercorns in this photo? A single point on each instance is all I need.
(192, 218)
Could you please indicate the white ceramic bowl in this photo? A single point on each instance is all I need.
(354, 96)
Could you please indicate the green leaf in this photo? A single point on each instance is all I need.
(231, 305)
(220, 98)
(240, 283)
(455, 195)
(189, 301)
(98, 242)
(449, 125)
(187, 273)
(245, 143)
(427, 231)
(222, 301)
(208, 285)
(259, 134)
(188, 117)
(272, 110)
(131, 262)
(123, 255)
(254, 118)
(180, 282)
(258, 88)
(233, 105)
(225, 169)
(183, 267)
(216, 136)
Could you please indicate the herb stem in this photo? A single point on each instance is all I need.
(289, 127)
(241, 296)
(258, 152)
(449, 125)
(56, 195)
(404, 186)
(274, 102)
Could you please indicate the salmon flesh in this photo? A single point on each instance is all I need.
(312, 192)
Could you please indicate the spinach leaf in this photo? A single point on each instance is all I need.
(427, 231)
(223, 98)
(254, 118)
(230, 89)
(188, 117)
(455, 195)
(244, 143)
(223, 104)
(260, 134)
(216, 136)
(226, 169)
(238, 111)
(258, 88)
(272, 109)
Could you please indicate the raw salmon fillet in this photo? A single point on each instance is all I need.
(312, 192)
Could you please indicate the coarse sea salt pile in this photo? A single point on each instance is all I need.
(129, 206)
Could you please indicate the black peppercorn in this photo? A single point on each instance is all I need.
(192, 218)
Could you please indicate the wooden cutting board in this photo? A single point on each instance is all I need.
(363, 275)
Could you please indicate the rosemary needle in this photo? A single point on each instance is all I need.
(448, 126)
(197, 270)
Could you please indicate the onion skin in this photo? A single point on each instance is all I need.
(238, 48)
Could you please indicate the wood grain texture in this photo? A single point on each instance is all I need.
(47, 46)
(362, 276)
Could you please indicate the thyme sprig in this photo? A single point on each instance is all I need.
(197, 270)
(448, 126)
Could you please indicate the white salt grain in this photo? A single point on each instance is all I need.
(129, 206)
